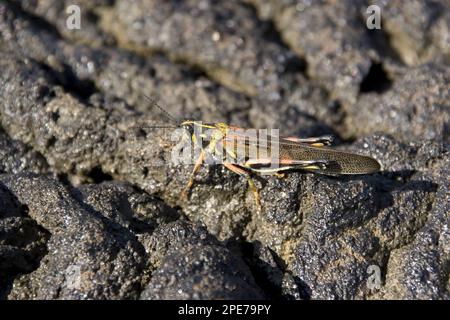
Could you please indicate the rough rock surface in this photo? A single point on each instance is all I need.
(90, 204)
(192, 264)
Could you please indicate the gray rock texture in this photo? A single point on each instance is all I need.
(90, 204)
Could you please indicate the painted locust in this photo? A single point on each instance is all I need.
(247, 154)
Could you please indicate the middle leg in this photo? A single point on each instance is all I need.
(251, 183)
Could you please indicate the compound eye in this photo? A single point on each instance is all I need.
(189, 129)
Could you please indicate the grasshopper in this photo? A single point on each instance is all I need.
(309, 154)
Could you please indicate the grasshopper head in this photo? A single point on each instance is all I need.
(203, 133)
(194, 126)
(189, 126)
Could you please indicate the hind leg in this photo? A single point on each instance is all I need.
(314, 141)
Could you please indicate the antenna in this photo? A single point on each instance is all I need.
(159, 127)
(168, 115)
